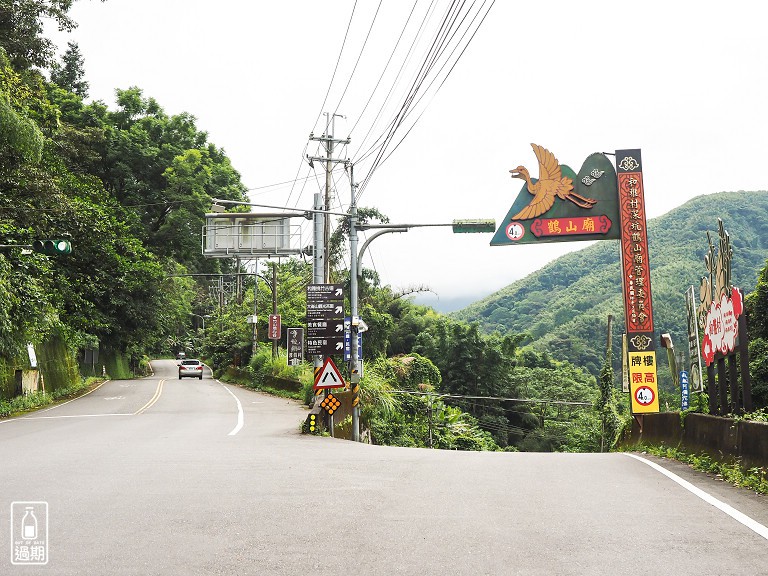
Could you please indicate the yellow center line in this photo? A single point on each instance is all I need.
(152, 400)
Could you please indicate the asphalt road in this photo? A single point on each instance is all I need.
(179, 477)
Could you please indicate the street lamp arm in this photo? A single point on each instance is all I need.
(371, 238)
(201, 318)
(389, 226)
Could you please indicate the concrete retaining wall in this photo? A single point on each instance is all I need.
(722, 438)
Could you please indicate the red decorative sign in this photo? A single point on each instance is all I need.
(722, 326)
(274, 327)
(570, 226)
(636, 271)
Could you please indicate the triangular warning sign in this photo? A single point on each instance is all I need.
(328, 376)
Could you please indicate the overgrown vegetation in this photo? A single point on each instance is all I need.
(755, 478)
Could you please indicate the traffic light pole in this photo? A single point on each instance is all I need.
(354, 367)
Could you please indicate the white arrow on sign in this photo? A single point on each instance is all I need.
(339, 345)
(339, 327)
(339, 309)
(339, 291)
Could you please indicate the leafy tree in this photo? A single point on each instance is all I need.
(420, 420)
(758, 370)
(338, 241)
(228, 336)
(609, 418)
(164, 169)
(553, 426)
(756, 304)
(70, 74)
(21, 140)
(21, 29)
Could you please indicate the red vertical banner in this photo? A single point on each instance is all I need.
(636, 277)
(274, 327)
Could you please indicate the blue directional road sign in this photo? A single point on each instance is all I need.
(348, 341)
(685, 391)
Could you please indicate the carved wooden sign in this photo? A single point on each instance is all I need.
(720, 316)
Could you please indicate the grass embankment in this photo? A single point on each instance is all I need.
(273, 376)
(755, 478)
(36, 400)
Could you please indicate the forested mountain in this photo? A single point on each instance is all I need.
(565, 305)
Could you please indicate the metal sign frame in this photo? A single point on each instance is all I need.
(250, 235)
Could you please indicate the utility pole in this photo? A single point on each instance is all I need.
(321, 262)
(318, 255)
(274, 305)
(329, 141)
(255, 345)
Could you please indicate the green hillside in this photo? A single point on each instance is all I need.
(565, 305)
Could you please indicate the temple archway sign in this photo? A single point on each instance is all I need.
(600, 202)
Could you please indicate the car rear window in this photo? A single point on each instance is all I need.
(190, 362)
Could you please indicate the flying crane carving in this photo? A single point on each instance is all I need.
(551, 184)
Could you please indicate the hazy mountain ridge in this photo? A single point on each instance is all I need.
(565, 305)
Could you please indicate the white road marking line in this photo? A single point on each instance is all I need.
(69, 416)
(240, 418)
(750, 523)
(73, 399)
(5, 421)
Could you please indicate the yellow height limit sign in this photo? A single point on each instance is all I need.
(328, 376)
(642, 382)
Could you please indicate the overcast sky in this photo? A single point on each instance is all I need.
(685, 82)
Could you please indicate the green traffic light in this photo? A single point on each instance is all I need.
(52, 247)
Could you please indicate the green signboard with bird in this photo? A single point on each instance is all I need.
(561, 205)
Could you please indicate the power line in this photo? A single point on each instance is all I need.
(354, 68)
(386, 67)
(336, 68)
(450, 27)
(416, 37)
(399, 117)
(497, 398)
(444, 78)
(277, 184)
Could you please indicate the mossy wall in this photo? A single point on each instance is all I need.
(57, 364)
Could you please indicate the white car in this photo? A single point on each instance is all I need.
(190, 367)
